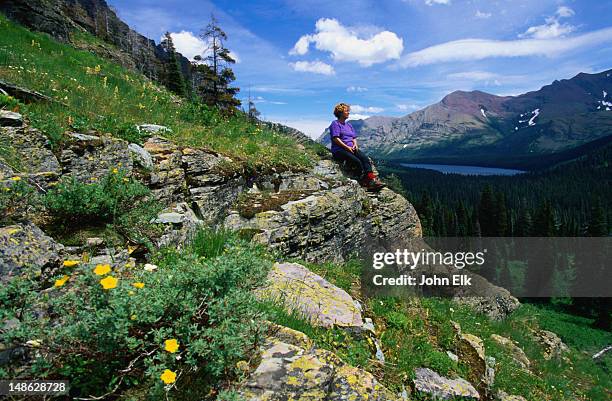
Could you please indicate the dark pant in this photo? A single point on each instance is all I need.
(358, 159)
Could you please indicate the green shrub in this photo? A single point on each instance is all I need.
(114, 196)
(17, 200)
(100, 338)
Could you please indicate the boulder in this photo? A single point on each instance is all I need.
(553, 346)
(25, 248)
(10, 119)
(153, 129)
(429, 382)
(295, 370)
(515, 351)
(299, 290)
(89, 158)
(471, 350)
(33, 156)
(141, 156)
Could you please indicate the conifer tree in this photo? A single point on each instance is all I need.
(173, 78)
(487, 213)
(216, 77)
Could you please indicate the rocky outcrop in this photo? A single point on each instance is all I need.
(429, 382)
(320, 218)
(89, 158)
(167, 178)
(10, 119)
(471, 350)
(31, 156)
(309, 295)
(25, 249)
(291, 368)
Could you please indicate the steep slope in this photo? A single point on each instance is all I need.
(64, 19)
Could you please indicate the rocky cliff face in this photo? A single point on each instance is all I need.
(62, 18)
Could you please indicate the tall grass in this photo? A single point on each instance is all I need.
(95, 93)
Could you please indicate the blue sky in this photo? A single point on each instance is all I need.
(386, 57)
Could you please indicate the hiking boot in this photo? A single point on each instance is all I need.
(371, 184)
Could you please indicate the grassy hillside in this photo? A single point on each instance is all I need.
(94, 93)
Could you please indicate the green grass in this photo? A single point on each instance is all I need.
(101, 95)
(417, 332)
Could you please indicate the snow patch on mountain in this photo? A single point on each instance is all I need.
(536, 113)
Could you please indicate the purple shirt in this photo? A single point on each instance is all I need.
(345, 132)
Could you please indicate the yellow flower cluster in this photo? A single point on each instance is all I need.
(168, 376)
(109, 282)
(61, 281)
(101, 270)
(171, 345)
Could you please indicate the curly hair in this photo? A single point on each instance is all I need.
(339, 109)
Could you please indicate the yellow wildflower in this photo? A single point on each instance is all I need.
(101, 270)
(16, 178)
(138, 285)
(61, 281)
(130, 293)
(115, 171)
(71, 263)
(109, 282)
(168, 376)
(171, 345)
(133, 317)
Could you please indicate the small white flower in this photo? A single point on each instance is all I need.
(150, 267)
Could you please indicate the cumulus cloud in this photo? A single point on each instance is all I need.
(478, 49)
(357, 116)
(432, 2)
(552, 28)
(482, 15)
(344, 44)
(362, 109)
(317, 67)
(190, 45)
(356, 89)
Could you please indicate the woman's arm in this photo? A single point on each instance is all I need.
(339, 142)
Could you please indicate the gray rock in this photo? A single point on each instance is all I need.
(553, 346)
(26, 249)
(32, 151)
(94, 242)
(291, 368)
(167, 178)
(299, 290)
(89, 158)
(452, 356)
(141, 156)
(10, 119)
(170, 218)
(153, 129)
(430, 382)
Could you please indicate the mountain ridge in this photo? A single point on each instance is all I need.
(558, 117)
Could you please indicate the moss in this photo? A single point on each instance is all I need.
(251, 204)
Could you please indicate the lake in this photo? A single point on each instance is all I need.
(464, 170)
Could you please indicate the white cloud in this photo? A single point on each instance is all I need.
(473, 75)
(478, 49)
(552, 28)
(406, 107)
(356, 89)
(188, 44)
(316, 67)
(482, 15)
(432, 2)
(357, 116)
(311, 127)
(344, 44)
(361, 109)
(565, 11)
(260, 99)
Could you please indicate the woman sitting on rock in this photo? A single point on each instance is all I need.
(344, 147)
